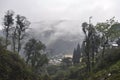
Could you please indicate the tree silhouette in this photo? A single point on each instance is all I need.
(76, 55)
(22, 24)
(34, 54)
(8, 23)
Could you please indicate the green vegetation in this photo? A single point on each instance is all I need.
(111, 67)
(34, 56)
(99, 58)
(96, 59)
(12, 67)
(104, 69)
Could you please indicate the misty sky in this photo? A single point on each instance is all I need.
(66, 15)
(80, 10)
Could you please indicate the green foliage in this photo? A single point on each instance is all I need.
(111, 56)
(14, 29)
(8, 22)
(110, 73)
(45, 77)
(66, 62)
(109, 29)
(90, 44)
(60, 75)
(70, 73)
(35, 57)
(2, 43)
(8, 19)
(52, 69)
(12, 67)
(22, 24)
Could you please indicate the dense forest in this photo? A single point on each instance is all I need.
(25, 58)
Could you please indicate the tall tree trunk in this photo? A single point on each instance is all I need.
(88, 55)
(19, 42)
(19, 45)
(103, 51)
(6, 40)
(14, 43)
(93, 57)
(93, 52)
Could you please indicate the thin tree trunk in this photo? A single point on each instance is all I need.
(6, 40)
(103, 51)
(19, 43)
(88, 56)
(93, 54)
(93, 59)
(14, 43)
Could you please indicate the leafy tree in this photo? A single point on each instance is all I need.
(15, 29)
(8, 23)
(12, 67)
(35, 57)
(109, 31)
(22, 24)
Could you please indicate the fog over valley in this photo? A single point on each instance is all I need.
(56, 34)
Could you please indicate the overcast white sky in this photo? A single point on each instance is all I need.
(37, 10)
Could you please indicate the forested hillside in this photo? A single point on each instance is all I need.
(96, 58)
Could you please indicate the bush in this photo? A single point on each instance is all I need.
(12, 67)
(111, 56)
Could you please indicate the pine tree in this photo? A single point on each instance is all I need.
(76, 55)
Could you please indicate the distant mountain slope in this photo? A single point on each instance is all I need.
(61, 35)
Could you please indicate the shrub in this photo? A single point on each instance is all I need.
(12, 67)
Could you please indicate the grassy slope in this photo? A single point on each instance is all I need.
(111, 73)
